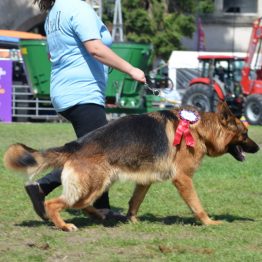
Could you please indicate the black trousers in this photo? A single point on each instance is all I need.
(84, 119)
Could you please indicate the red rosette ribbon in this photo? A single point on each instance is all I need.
(187, 117)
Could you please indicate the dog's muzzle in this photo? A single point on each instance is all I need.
(238, 150)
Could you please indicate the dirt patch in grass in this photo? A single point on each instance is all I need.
(181, 250)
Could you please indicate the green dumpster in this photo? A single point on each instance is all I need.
(122, 92)
(37, 65)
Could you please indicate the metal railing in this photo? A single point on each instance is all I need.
(27, 107)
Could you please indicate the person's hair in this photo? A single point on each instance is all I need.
(44, 5)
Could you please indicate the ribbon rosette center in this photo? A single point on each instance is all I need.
(187, 117)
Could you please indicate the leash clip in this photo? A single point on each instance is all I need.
(155, 91)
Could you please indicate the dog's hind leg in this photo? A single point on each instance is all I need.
(72, 193)
(187, 191)
(53, 208)
(85, 205)
(136, 200)
(93, 212)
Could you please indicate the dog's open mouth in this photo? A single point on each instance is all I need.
(237, 152)
(240, 152)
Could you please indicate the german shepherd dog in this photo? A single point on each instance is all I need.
(138, 148)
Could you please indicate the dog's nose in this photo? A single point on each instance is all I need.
(255, 148)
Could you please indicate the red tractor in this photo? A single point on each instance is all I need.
(231, 79)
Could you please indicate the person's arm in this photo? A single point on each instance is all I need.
(106, 56)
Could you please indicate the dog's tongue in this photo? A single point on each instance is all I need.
(240, 152)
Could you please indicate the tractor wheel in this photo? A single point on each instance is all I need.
(253, 109)
(203, 97)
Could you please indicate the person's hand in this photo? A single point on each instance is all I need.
(137, 74)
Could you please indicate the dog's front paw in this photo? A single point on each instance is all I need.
(69, 228)
(133, 219)
(211, 222)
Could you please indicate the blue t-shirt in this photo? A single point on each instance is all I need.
(76, 77)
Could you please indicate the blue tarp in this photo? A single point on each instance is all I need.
(9, 39)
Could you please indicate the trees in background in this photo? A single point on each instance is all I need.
(160, 22)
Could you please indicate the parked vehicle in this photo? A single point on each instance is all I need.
(236, 80)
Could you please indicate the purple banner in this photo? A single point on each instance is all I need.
(5, 91)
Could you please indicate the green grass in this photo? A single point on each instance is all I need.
(230, 191)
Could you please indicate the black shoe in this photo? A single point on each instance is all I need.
(37, 198)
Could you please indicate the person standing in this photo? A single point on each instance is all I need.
(79, 50)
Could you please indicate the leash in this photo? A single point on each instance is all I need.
(186, 117)
(157, 92)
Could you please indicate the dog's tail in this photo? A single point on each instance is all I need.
(24, 159)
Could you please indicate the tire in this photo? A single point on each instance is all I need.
(170, 84)
(201, 96)
(253, 109)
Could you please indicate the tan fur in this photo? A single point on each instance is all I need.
(8, 159)
(89, 171)
(43, 162)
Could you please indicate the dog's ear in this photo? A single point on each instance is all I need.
(224, 112)
(221, 106)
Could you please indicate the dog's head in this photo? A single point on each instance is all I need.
(239, 142)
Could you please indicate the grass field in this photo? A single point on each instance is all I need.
(230, 191)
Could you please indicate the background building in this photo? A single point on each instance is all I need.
(227, 29)
(19, 15)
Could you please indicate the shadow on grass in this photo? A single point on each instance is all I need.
(230, 218)
(84, 221)
(168, 220)
(79, 219)
(171, 220)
